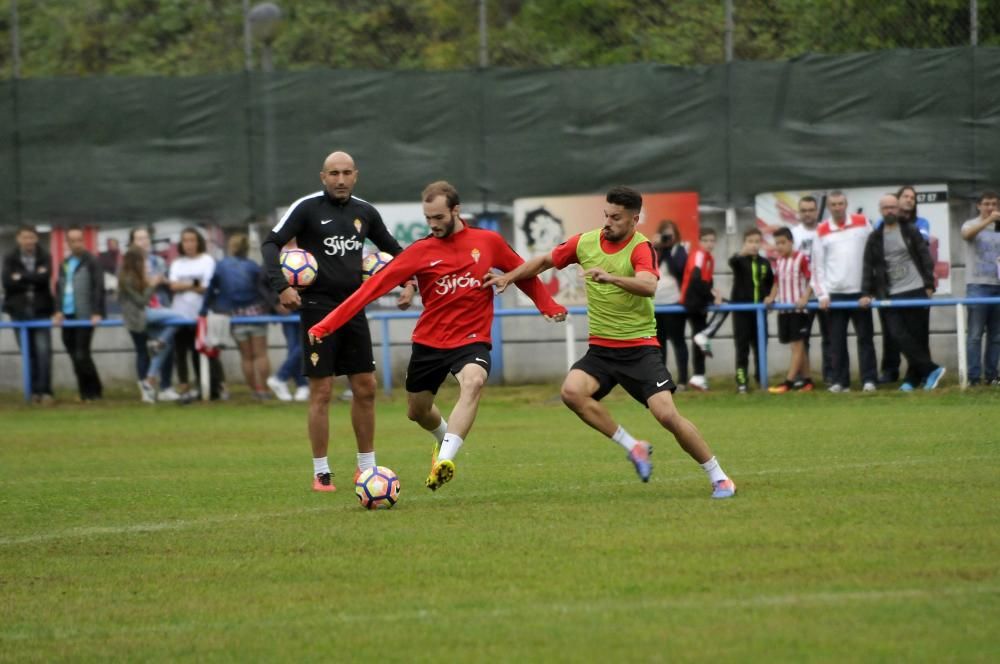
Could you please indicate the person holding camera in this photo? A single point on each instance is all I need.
(982, 279)
(190, 274)
(672, 257)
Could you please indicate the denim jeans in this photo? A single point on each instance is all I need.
(40, 357)
(983, 318)
(292, 366)
(155, 318)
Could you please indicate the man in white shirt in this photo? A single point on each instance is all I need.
(982, 279)
(838, 256)
(803, 239)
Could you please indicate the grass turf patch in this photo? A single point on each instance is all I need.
(865, 528)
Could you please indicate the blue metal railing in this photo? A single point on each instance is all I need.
(384, 318)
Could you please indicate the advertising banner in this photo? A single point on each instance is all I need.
(540, 224)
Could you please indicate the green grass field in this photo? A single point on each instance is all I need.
(867, 528)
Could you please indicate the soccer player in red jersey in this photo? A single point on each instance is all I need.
(452, 334)
(620, 266)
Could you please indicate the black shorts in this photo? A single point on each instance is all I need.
(793, 326)
(430, 366)
(347, 351)
(639, 370)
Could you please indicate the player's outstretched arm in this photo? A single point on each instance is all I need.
(380, 283)
(643, 283)
(527, 270)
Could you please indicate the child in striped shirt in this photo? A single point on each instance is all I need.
(791, 286)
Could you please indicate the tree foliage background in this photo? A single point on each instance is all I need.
(188, 37)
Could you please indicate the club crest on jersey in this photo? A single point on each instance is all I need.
(357, 224)
(475, 255)
(338, 245)
(449, 284)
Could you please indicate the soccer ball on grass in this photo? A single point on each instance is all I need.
(377, 488)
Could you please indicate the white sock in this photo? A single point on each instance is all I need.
(366, 460)
(320, 466)
(441, 430)
(624, 438)
(449, 446)
(714, 470)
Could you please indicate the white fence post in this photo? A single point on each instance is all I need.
(963, 365)
(570, 342)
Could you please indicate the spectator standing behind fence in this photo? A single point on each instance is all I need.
(804, 239)
(907, 214)
(697, 293)
(791, 286)
(670, 326)
(144, 323)
(838, 256)
(156, 271)
(190, 274)
(237, 289)
(898, 265)
(27, 274)
(752, 282)
(982, 279)
(80, 296)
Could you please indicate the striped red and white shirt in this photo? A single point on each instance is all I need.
(792, 275)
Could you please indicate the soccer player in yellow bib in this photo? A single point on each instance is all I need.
(621, 274)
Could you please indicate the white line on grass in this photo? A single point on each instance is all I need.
(181, 524)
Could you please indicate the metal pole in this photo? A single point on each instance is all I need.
(570, 342)
(729, 31)
(484, 55)
(23, 335)
(247, 40)
(963, 365)
(762, 345)
(974, 22)
(386, 359)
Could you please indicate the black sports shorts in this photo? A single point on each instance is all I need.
(793, 326)
(347, 351)
(639, 370)
(430, 366)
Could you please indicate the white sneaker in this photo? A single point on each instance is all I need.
(347, 395)
(838, 389)
(280, 388)
(698, 383)
(302, 393)
(148, 392)
(868, 387)
(169, 394)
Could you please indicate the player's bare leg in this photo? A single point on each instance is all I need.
(363, 386)
(420, 408)
(471, 380)
(577, 393)
(319, 430)
(661, 405)
(363, 410)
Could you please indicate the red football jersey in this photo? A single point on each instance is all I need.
(450, 272)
